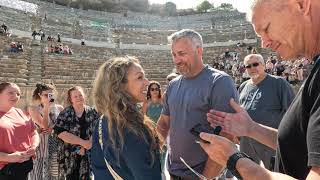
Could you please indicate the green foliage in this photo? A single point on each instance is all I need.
(226, 6)
(204, 6)
(169, 9)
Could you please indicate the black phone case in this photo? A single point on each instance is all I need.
(198, 128)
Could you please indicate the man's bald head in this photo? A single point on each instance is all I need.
(276, 5)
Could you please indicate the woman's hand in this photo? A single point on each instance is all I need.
(19, 157)
(87, 144)
(82, 151)
(46, 131)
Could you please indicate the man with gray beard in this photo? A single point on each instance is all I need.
(266, 98)
(188, 99)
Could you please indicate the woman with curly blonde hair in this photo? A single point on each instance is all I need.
(125, 138)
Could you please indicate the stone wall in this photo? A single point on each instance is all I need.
(138, 28)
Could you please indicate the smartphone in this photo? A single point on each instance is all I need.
(51, 97)
(198, 128)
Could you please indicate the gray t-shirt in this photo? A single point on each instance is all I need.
(266, 103)
(186, 103)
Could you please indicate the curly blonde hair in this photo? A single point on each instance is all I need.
(112, 101)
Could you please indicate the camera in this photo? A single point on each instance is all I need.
(198, 128)
(51, 97)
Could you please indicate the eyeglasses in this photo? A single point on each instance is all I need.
(202, 177)
(252, 65)
(154, 89)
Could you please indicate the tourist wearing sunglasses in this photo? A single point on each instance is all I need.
(153, 106)
(266, 98)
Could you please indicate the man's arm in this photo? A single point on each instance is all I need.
(163, 126)
(220, 149)
(252, 171)
(314, 173)
(264, 134)
(249, 170)
(241, 124)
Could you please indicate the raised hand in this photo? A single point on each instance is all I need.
(237, 124)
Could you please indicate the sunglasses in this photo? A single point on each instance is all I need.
(252, 65)
(154, 89)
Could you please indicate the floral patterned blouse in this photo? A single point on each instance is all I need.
(67, 155)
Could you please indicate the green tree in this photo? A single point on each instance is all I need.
(226, 6)
(204, 6)
(169, 9)
(155, 8)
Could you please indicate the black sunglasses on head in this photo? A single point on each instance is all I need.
(252, 65)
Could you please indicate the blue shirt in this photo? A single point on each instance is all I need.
(154, 111)
(131, 163)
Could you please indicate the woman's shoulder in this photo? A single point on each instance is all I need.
(59, 107)
(22, 115)
(90, 109)
(20, 111)
(67, 111)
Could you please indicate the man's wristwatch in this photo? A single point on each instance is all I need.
(232, 162)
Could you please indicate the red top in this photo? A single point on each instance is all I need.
(16, 131)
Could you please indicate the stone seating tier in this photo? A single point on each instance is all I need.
(67, 70)
(17, 80)
(136, 28)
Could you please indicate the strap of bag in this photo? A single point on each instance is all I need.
(114, 174)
